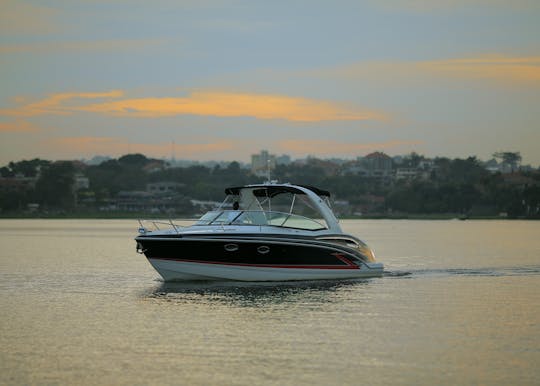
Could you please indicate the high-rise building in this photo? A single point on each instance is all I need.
(262, 163)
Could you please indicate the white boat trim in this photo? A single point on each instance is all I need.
(172, 270)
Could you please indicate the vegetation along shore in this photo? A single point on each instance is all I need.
(374, 186)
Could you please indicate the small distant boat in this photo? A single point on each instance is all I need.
(263, 232)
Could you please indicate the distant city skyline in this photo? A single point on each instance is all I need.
(261, 158)
(221, 80)
(96, 158)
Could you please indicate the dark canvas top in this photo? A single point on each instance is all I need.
(273, 190)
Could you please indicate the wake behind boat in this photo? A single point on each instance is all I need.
(263, 232)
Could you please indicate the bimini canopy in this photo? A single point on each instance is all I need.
(274, 190)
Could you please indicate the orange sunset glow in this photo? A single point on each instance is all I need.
(220, 104)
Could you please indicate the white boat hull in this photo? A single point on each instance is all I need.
(173, 270)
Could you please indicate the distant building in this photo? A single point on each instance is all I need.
(377, 165)
(81, 182)
(407, 173)
(159, 197)
(32, 207)
(163, 187)
(134, 201)
(422, 171)
(283, 159)
(262, 163)
(354, 167)
(143, 201)
(328, 167)
(426, 164)
(398, 159)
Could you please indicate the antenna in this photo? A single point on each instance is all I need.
(268, 170)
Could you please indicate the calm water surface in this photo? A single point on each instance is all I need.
(459, 304)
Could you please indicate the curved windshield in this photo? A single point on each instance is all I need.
(257, 217)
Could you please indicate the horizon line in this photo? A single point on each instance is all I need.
(222, 161)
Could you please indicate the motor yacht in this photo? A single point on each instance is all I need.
(262, 232)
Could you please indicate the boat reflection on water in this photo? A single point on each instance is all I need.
(253, 294)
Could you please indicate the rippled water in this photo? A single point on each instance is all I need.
(459, 304)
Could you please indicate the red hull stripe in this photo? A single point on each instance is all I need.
(349, 267)
(342, 257)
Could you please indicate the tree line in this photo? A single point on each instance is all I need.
(451, 186)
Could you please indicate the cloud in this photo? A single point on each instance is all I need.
(496, 68)
(492, 67)
(225, 104)
(202, 103)
(330, 148)
(55, 104)
(18, 126)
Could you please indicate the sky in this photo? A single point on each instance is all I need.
(221, 80)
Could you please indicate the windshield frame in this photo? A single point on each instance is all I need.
(276, 219)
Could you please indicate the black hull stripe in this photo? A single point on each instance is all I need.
(251, 251)
(262, 240)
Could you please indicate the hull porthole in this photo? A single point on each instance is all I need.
(263, 249)
(231, 247)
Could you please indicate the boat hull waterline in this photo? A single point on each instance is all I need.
(176, 270)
